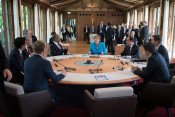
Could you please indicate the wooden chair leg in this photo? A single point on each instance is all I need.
(169, 111)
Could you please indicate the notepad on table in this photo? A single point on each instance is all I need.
(101, 77)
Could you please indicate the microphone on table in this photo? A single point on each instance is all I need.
(66, 68)
(122, 65)
(99, 65)
(60, 64)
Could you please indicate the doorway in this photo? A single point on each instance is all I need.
(71, 27)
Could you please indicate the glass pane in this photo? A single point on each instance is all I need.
(26, 13)
(2, 27)
(22, 19)
(9, 24)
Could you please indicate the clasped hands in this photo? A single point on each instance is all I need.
(133, 68)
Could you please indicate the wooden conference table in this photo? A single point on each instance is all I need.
(82, 75)
(71, 88)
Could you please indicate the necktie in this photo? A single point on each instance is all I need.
(129, 50)
(28, 50)
(59, 46)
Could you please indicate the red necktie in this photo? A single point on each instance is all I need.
(28, 50)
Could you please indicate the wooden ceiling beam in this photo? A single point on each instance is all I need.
(115, 5)
(61, 6)
(148, 2)
(57, 1)
(126, 2)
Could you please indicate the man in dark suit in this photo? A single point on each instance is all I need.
(155, 71)
(133, 36)
(28, 51)
(32, 36)
(51, 39)
(64, 32)
(16, 62)
(128, 31)
(4, 72)
(157, 41)
(142, 34)
(146, 31)
(119, 35)
(38, 70)
(109, 37)
(101, 30)
(131, 49)
(92, 30)
(86, 33)
(135, 30)
(56, 48)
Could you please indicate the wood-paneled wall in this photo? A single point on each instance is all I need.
(89, 17)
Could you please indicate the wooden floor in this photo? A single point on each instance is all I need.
(78, 47)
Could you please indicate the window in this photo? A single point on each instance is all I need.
(2, 37)
(43, 24)
(26, 18)
(52, 21)
(154, 20)
(140, 16)
(171, 32)
(9, 25)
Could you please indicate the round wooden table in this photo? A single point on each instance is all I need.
(71, 88)
(82, 75)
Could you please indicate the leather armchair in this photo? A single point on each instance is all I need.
(33, 104)
(161, 94)
(109, 107)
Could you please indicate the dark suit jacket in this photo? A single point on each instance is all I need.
(146, 33)
(135, 41)
(142, 33)
(16, 62)
(110, 34)
(134, 51)
(63, 30)
(3, 65)
(163, 51)
(136, 32)
(87, 30)
(34, 38)
(120, 36)
(37, 71)
(103, 30)
(56, 51)
(26, 53)
(50, 41)
(156, 70)
(127, 30)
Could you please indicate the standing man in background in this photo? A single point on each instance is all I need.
(92, 31)
(101, 30)
(86, 33)
(32, 36)
(64, 32)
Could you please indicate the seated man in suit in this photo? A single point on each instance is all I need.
(131, 49)
(28, 51)
(155, 71)
(32, 36)
(133, 35)
(157, 41)
(51, 39)
(16, 62)
(56, 48)
(38, 71)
